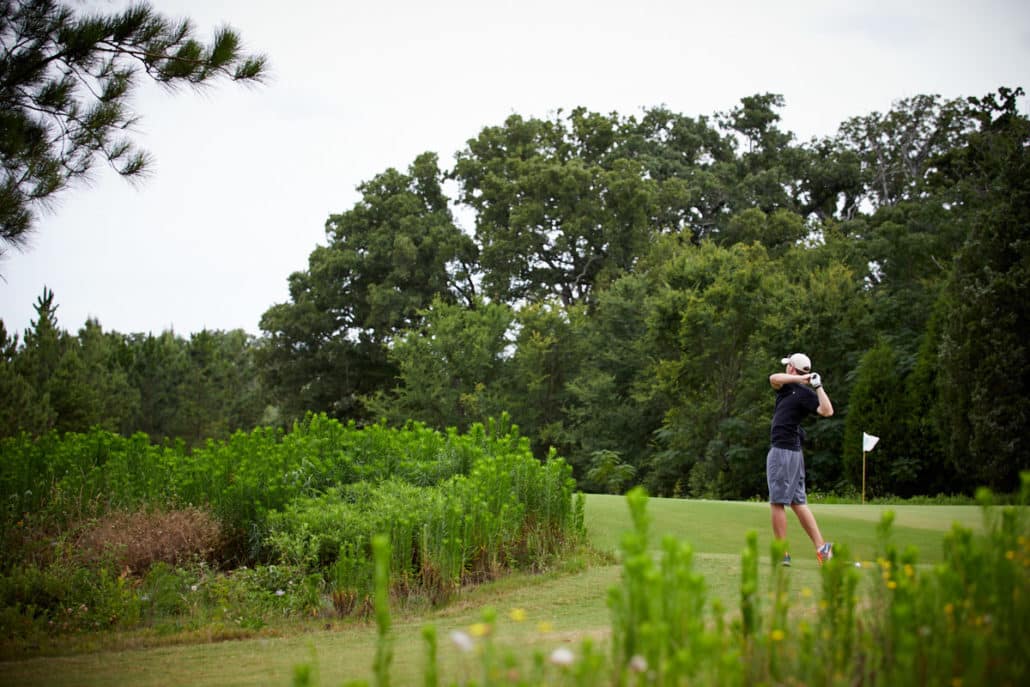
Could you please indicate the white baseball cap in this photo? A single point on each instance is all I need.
(800, 362)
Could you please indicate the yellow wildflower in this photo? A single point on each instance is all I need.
(544, 627)
(479, 630)
(517, 614)
(777, 635)
(892, 584)
(1011, 555)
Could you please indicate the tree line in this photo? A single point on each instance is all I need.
(626, 287)
(170, 387)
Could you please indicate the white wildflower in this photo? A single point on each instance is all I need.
(462, 641)
(561, 657)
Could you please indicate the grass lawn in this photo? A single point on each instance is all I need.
(570, 605)
(719, 527)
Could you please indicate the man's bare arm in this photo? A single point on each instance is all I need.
(778, 379)
(825, 407)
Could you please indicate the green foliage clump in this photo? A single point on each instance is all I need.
(509, 511)
(453, 508)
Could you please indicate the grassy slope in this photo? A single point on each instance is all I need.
(720, 526)
(573, 605)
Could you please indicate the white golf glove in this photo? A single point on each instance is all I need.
(815, 381)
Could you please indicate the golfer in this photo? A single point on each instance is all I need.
(799, 393)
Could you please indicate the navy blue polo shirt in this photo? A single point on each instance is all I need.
(794, 402)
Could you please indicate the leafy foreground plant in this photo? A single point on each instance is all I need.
(963, 622)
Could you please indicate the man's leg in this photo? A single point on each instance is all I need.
(779, 520)
(807, 522)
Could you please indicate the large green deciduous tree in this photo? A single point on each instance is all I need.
(718, 319)
(449, 367)
(693, 164)
(774, 174)
(922, 413)
(612, 410)
(385, 261)
(898, 149)
(714, 323)
(776, 231)
(547, 352)
(66, 80)
(909, 246)
(559, 211)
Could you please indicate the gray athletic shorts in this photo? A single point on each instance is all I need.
(785, 471)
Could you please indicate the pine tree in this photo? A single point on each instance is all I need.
(65, 84)
(985, 361)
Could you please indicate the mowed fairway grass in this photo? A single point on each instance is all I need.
(561, 608)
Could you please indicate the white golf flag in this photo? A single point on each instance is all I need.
(868, 441)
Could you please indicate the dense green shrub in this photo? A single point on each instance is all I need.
(87, 517)
(510, 511)
(62, 597)
(51, 483)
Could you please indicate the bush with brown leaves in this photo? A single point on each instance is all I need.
(135, 540)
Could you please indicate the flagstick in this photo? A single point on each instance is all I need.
(863, 477)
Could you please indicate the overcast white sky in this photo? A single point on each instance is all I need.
(245, 178)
